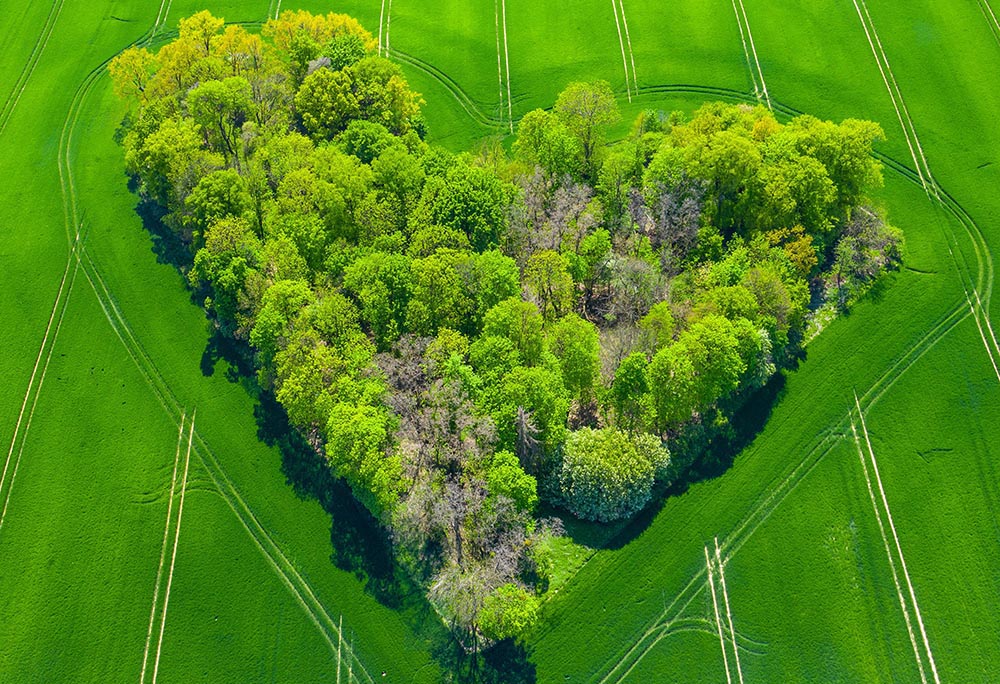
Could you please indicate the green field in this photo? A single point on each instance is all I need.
(826, 570)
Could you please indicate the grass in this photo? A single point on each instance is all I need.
(811, 588)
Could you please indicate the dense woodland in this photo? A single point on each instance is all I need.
(465, 336)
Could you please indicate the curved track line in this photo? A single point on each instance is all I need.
(29, 68)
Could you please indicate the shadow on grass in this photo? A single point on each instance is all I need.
(359, 544)
(709, 451)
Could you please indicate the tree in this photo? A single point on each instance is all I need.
(219, 195)
(279, 307)
(468, 198)
(441, 296)
(547, 278)
(357, 439)
(496, 279)
(672, 383)
(221, 107)
(131, 71)
(326, 103)
(588, 110)
(521, 323)
(383, 95)
(629, 394)
(543, 140)
(383, 284)
(658, 326)
(604, 477)
(508, 612)
(541, 393)
(576, 345)
(507, 478)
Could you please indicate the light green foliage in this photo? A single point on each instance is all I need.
(357, 438)
(508, 612)
(383, 95)
(383, 284)
(496, 279)
(547, 277)
(220, 107)
(507, 478)
(306, 231)
(629, 392)
(604, 477)
(366, 140)
(658, 326)
(171, 160)
(588, 110)
(468, 198)
(521, 323)
(544, 140)
(326, 103)
(345, 50)
(672, 385)
(575, 343)
(231, 255)
(541, 393)
(279, 307)
(441, 293)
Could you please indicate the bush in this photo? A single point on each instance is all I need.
(508, 612)
(605, 476)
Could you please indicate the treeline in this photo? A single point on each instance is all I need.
(464, 335)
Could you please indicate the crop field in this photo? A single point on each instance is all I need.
(148, 534)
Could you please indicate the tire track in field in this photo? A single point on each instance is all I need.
(895, 536)
(29, 67)
(506, 59)
(163, 552)
(721, 565)
(892, 563)
(991, 19)
(933, 190)
(621, 44)
(496, 29)
(297, 585)
(628, 41)
(470, 107)
(718, 620)
(173, 554)
(759, 84)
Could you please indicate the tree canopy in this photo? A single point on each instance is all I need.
(462, 337)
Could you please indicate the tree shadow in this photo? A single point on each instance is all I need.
(505, 662)
(709, 449)
(168, 247)
(362, 546)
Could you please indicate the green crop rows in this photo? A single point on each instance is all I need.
(858, 536)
